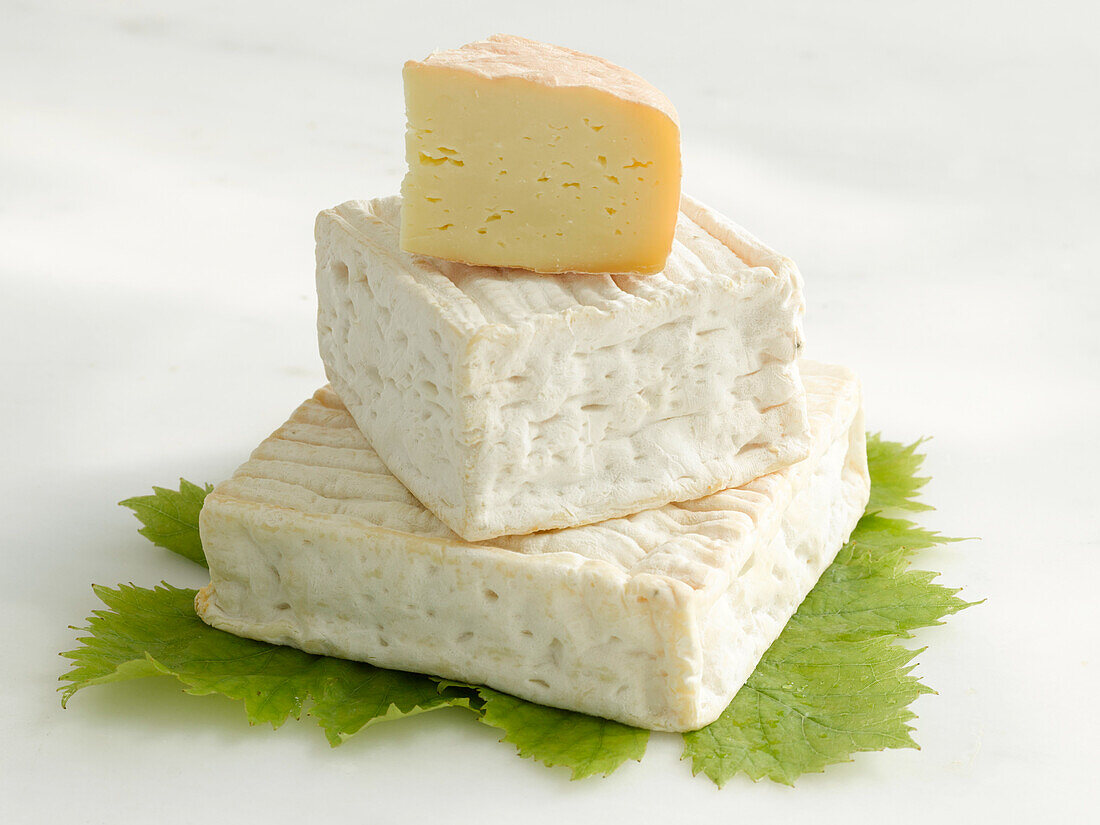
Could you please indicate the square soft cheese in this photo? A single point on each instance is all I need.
(655, 619)
(510, 402)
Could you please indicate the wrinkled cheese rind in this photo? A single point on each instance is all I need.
(655, 619)
(512, 403)
(523, 154)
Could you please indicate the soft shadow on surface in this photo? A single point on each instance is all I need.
(157, 707)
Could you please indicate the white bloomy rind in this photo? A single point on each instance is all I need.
(515, 402)
(654, 620)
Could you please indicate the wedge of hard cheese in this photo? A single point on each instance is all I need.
(654, 620)
(523, 154)
(512, 403)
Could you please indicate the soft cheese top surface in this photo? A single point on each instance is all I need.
(505, 55)
(709, 253)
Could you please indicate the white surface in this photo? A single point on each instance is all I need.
(931, 167)
(533, 402)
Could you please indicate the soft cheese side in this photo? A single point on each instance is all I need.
(513, 402)
(655, 619)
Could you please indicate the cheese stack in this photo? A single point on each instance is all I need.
(569, 450)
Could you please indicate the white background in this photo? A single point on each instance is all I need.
(933, 168)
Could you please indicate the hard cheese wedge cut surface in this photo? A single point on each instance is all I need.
(512, 403)
(523, 154)
(654, 620)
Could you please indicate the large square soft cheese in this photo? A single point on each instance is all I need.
(655, 619)
(510, 402)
